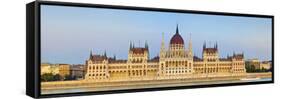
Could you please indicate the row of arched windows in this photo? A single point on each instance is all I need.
(177, 63)
(97, 67)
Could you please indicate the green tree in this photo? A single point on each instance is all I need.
(69, 77)
(50, 77)
(250, 68)
(57, 77)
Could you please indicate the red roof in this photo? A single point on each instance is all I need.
(139, 50)
(238, 56)
(210, 50)
(195, 58)
(155, 59)
(98, 58)
(177, 39)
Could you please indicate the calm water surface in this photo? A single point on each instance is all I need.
(146, 86)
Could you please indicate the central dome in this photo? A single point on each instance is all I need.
(177, 39)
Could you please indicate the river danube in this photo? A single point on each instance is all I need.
(74, 90)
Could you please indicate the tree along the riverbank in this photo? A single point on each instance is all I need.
(51, 77)
(252, 69)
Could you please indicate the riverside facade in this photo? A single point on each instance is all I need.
(176, 61)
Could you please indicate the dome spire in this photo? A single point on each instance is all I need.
(177, 39)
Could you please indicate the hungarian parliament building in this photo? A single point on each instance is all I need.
(174, 62)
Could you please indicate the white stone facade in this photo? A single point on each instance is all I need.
(174, 61)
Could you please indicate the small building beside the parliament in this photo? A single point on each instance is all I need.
(257, 64)
(60, 69)
(77, 71)
(176, 61)
(49, 68)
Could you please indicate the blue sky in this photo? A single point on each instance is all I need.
(69, 33)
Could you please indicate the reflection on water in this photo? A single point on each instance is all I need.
(147, 86)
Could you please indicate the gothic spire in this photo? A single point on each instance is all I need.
(130, 45)
(162, 42)
(204, 45)
(146, 45)
(190, 44)
(216, 45)
(104, 53)
(190, 47)
(227, 55)
(133, 45)
(91, 55)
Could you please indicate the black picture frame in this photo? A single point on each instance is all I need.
(33, 47)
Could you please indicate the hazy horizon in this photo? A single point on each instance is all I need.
(69, 33)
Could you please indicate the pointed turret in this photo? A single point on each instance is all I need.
(190, 47)
(204, 45)
(104, 54)
(190, 44)
(146, 45)
(91, 55)
(163, 42)
(131, 45)
(216, 45)
(227, 55)
(162, 49)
